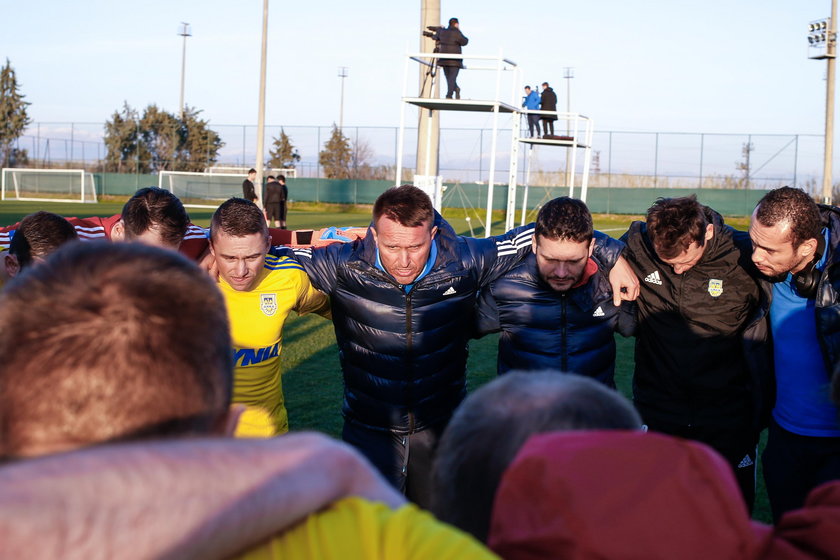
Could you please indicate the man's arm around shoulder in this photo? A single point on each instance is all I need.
(203, 498)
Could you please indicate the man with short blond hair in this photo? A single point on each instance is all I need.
(131, 343)
(260, 292)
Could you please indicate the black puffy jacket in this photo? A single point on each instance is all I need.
(404, 355)
(701, 353)
(828, 299)
(544, 329)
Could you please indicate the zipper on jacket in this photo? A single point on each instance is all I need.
(409, 342)
(564, 361)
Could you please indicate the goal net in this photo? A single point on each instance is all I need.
(47, 185)
(201, 190)
(288, 173)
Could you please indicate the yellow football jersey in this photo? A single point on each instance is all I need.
(356, 529)
(256, 325)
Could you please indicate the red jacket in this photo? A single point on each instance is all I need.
(588, 495)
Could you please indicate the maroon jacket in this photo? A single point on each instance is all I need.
(616, 494)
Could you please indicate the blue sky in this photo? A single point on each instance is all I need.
(712, 66)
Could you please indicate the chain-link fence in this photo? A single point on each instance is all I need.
(619, 158)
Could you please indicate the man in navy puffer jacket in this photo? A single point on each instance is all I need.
(403, 305)
(555, 309)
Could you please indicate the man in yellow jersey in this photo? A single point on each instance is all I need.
(260, 291)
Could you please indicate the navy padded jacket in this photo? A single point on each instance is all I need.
(544, 329)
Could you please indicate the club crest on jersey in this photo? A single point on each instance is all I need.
(715, 287)
(268, 304)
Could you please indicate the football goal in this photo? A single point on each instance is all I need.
(47, 185)
(201, 190)
(288, 173)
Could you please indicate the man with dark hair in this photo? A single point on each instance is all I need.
(37, 236)
(155, 362)
(249, 190)
(555, 309)
(531, 102)
(700, 369)
(795, 247)
(493, 422)
(403, 305)
(450, 40)
(152, 215)
(260, 291)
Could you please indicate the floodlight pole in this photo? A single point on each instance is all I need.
(342, 73)
(829, 105)
(261, 113)
(568, 74)
(185, 32)
(428, 120)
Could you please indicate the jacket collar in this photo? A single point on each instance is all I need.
(446, 240)
(831, 219)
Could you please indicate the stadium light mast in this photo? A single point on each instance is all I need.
(428, 120)
(822, 43)
(342, 73)
(568, 74)
(261, 112)
(184, 32)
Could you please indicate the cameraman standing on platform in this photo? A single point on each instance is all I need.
(451, 40)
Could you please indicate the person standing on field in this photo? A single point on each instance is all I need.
(273, 201)
(249, 190)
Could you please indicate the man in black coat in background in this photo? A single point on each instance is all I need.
(548, 102)
(451, 40)
(274, 200)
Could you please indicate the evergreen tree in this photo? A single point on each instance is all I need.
(336, 156)
(159, 141)
(13, 117)
(161, 135)
(283, 154)
(122, 142)
(199, 145)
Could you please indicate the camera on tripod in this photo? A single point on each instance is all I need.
(432, 29)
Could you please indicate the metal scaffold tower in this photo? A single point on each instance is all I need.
(579, 129)
(579, 132)
(495, 105)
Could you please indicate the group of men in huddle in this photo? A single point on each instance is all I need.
(733, 330)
